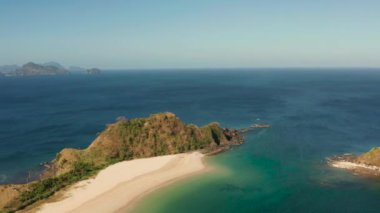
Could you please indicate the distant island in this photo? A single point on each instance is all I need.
(49, 68)
(367, 164)
(126, 139)
(37, 69)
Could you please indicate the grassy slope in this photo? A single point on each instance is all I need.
(370, 158)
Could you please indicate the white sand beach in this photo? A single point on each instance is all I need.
(120, 185)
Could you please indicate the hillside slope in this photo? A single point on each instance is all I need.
(371, 157)
(159, 134)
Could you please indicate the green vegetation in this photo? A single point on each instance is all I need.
(159, 134)
(45, 188)
(371, 158)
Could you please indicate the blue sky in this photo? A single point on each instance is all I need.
(191, 34)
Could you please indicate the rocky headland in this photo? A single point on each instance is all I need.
(126, 139)
(367, 164)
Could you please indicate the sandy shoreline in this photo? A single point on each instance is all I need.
(347, 162)
(351, 166)
(118, 186)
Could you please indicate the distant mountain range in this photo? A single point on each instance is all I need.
(49, 68)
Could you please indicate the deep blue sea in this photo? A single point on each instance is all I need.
(315, 113)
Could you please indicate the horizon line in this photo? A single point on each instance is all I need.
(207, 68)
(237, 68)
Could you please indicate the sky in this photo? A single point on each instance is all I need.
(144, 34)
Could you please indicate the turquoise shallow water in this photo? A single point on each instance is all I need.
(314, 113)
(248, 182)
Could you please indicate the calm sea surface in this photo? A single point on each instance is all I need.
(314, 113)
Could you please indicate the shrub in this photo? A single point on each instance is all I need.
(47, 187)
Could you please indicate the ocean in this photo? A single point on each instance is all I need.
(314, 113)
